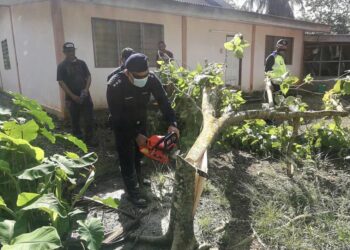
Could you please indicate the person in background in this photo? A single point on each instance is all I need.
(275, 64)
(163, 54)
(128, 94)
(125, 53)
(74, 78)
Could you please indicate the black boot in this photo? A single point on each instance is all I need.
(134, 193)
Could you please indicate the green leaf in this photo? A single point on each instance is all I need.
(43, 118)
(337, 87)
(51, 137)
(6, 231)
(284, 88)
(72, 155)
(24, 146)
(229, 46)
(77, 142)
(82, 191)
(236, 40)
(2, 202)
(91, 231)
(25, 198)
(347, 87)
(27, 131)
(260, 122)
(48, 203)
(42, 238)
(5, 167)
(37, 171)
(111, 202)
(308, 79)
(239, 52)
(68, 165)
(33, 108)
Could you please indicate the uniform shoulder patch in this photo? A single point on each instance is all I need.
(114, 81)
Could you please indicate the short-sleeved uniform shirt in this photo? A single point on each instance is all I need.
(74, 75)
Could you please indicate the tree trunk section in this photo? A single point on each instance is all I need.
(183, 199)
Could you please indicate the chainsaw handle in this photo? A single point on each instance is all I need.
(166, 139)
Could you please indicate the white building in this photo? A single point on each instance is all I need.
(32, 33)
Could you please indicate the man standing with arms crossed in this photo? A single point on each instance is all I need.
(74, 78)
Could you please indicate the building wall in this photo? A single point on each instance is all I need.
(205, 41)
(36, 53)
(9, 78)
(78, 29)
(260, 35)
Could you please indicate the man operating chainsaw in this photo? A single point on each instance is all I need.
(128, 94)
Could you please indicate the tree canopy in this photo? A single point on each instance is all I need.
(334, 13)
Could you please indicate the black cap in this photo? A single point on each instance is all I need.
(68, 46)
(137, 63)
(126, 52)
(282, 42)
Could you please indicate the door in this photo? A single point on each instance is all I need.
(231, 67)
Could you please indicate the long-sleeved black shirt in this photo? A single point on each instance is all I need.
(128, 103)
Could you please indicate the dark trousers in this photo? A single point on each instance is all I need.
(129, 159)
(77, 111)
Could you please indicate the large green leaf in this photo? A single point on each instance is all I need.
(43, 118)
(77, 142)
(284, 88)
(37, 171)
(48, 203)
(91, 231)
(68, 165)
(5, 166)
(27, 131)
(43, 238)
(24, 198)
(4, 207)
(2, 202)
(337, 87)
(24, 146)
(33, 108)
(6, 231)
(111, 202)
(51, 137)
(82, 191)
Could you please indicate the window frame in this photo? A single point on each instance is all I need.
(117, 32)
(321, 61)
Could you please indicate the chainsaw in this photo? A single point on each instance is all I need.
(158, 147)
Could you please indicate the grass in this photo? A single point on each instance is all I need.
(205, 223)
(303, 212)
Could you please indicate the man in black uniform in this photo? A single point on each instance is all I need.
(74, 78)
(128, 94)
(126, 52)
(275, 64)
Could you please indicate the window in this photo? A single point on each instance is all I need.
(110, 37)
(5, 54)
(270, 45)
(326, 59)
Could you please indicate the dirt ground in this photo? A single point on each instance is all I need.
(224, 217)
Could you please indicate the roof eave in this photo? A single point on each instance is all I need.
(205, 12)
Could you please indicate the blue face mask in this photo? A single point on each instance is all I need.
(140, 82)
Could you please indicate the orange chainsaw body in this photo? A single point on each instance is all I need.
(158, 147)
